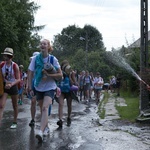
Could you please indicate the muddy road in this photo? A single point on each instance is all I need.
(86, 132)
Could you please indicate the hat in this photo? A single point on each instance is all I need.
(8, 51)
(34, 54)
(21, 66)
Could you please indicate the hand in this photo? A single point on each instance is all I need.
(31, 93)
(44, 72)
(148, 87)
(8, 85)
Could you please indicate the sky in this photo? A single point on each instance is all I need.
(117, 20)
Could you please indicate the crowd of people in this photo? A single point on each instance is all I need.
(43, 83)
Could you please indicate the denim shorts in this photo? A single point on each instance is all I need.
(20, 91)
(41, 95)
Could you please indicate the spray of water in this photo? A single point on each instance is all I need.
(118, 60)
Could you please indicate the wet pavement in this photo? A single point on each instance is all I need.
(86, 132)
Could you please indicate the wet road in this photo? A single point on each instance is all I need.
(86, 132)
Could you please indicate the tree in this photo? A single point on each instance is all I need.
(17, 27)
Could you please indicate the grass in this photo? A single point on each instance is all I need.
(101, 109)
(131, 111)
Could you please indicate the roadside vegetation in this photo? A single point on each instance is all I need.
(101, 109)
(131, 111)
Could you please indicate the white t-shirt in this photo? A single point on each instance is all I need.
(98, 80)
(48, 83)
(8, 72)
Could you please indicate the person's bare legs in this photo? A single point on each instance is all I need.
(33, 107)
(44, 104)
(69, 105)
(60, 107)
(15, 106)
(2, 105)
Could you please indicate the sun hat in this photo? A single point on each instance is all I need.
(34, 54)
(21, 66)
(8, 51)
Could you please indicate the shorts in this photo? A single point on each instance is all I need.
(41, 95)
(20, 91)
(12, 91)
(87, 86)
(66, 95)
(97, 89)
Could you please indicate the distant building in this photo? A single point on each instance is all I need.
(138, 42)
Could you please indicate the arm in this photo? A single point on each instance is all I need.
(56, 76)
(29, 80)
(17, 76)
(73, 78)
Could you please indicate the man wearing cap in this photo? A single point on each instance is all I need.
(11, 78)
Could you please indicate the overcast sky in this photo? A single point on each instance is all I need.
(117, 20)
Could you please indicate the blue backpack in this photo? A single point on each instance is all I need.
(64, 84)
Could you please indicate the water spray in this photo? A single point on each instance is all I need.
(144, 83)
(118, 60)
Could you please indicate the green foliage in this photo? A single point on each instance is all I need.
(17, 27)
(131, 111)
(101, 109)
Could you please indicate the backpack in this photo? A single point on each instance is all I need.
(89, 79)
(1, 84)
(14, 66)
(64, 84)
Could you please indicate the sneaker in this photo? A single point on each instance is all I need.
(32, 123)
(39, 136)
(60, 123)
(20, 102)
(46, 131)
(13, 126)
(68, 121)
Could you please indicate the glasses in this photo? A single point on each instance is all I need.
(6, 73)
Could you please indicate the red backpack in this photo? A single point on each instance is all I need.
(14, 66)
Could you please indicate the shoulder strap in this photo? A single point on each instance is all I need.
(15, 68)
(2, 64)
(51, 59)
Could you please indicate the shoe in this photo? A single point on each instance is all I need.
(39, 136)
(60, 123)
(32, 123)
(46, 131)
(20, 102)
(68, 121)
(118, 94)
(13, 126)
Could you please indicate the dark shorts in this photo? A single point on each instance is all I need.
(87, 86)
(98, 89)
(41, 95)
(66, 95)
(12, 91)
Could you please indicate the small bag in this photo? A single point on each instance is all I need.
(74, 88)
